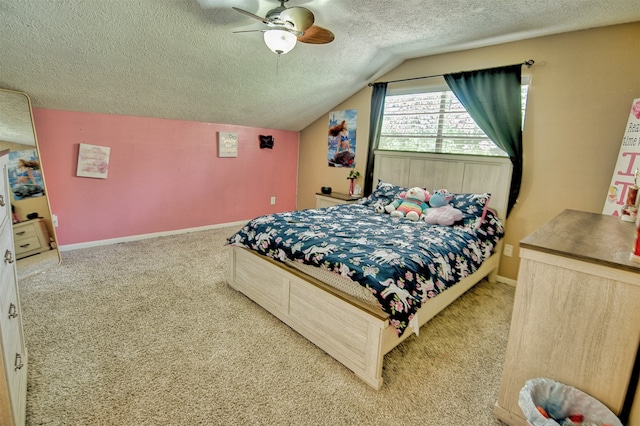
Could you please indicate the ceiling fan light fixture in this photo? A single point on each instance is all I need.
(280, 41)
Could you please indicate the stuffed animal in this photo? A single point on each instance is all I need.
(411, 205)
(441, 212)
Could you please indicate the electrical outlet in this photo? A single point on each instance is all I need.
(54, 219)
(273, 200)
(508, 250)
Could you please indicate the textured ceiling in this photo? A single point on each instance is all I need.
(176, 59)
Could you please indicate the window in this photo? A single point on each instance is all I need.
(434, 122)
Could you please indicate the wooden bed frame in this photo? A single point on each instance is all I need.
(352, 332)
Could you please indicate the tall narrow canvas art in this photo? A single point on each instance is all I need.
(25, 177)
(341, 141)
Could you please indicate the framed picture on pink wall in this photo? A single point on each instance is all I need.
(93, 161)
(227, 144)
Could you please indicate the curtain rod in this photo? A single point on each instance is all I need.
(528, 63)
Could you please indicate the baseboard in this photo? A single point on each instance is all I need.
(69, 247)
(506, 280)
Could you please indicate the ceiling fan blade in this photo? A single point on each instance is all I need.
(300, 17)
(316, 35)
(249, 31)
(263, 20)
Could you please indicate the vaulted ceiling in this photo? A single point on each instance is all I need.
(180, 59)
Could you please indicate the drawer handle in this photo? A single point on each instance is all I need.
(18, 364)
(25, 245)
(20, 233)
(8, 256)
(13, 311)
(2, 203)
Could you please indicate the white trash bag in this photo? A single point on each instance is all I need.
(561, 401)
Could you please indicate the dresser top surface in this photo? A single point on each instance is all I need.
(25, 223)
(590, 237)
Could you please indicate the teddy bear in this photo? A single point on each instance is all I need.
(411, 204)
(440, 211)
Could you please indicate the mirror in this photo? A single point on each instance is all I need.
(33, 231)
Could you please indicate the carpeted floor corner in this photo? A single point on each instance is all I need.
(149, 333)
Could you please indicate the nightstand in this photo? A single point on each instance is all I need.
(335, 198)
(30, 237)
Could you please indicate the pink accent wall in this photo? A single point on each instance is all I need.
(164, 175)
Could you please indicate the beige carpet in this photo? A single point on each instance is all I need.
(148, 333)
(37, 263)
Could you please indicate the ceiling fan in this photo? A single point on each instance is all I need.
(288, 25)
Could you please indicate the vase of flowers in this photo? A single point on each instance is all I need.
(353, 175)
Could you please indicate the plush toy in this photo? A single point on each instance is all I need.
(411, 205)
(441, 212)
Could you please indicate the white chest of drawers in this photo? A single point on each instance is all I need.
(13, 354)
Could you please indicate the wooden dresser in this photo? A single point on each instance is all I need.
(31, 237)
(13, 354)
(576, 314)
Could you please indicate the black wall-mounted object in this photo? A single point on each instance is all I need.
(266, 142)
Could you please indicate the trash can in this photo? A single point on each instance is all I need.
(563, 405)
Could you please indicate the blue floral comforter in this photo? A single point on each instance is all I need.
(403, 263)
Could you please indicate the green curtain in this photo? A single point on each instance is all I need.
(375, 126)
(493, 99)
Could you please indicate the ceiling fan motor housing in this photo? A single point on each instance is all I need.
(274, 15)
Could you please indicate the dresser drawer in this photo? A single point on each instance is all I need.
(7, 288)
(16, 367)
(11, 338)
(6, 251)
(4, 210)
(25, 245)
(23, 232)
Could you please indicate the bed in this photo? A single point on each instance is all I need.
(306, 273)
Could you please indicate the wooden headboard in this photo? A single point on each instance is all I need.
(457, 173)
